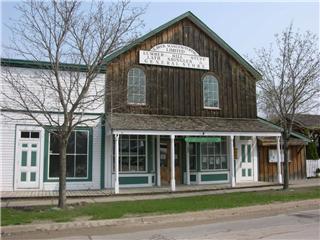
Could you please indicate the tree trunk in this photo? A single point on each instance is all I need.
(286, 161)
(63, 172)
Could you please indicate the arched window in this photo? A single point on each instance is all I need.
(136, 86)
(210, 92)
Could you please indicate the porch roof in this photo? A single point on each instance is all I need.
(122, 122)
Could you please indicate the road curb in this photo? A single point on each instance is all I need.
(165, 219)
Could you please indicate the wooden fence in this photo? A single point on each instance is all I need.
(311, 167)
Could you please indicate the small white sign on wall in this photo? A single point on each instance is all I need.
(273, 155)
(173, 55)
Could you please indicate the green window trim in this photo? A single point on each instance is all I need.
(46, 159)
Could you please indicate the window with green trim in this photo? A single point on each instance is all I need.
(213, 155)
(77, 155)
(132, 153)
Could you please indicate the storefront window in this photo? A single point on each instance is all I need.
(77, 155)
(193, 147)
(213, 155)
(132, 153)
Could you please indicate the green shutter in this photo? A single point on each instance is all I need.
(24, 157)
(249, 153)
(243, 153)
(23, 177)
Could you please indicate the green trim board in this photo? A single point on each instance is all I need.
(202, 26)
(133, 180)
(50, 112)
(46, 158)
(202, 139)
(102, 153)
(214, 177)
(22, 63)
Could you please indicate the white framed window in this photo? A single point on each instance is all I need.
(132, 153)
(136, 86)
(77, 155)
(210, 92)
(213, 155)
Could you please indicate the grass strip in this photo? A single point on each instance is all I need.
(112, 210)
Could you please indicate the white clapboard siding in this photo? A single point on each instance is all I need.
(7, 155)
(311, 166)
(30, 78)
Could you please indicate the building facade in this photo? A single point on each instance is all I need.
(180, 108)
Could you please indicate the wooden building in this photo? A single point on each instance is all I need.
(180, 108)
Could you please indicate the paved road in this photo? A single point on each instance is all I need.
(297, 225)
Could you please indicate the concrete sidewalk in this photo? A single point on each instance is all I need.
(22, 202)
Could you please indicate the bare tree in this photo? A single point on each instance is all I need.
(65, 32)
(290, 82)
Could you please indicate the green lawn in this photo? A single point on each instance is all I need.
(93, 211)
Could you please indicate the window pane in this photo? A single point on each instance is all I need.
(34, 134)
(224, 148)
(24, 158)
(217, 150)
(82, 142)
(217, 163)
(54, 166)
(70, 165)
(71, 143)
(133, 147)
(210, 148)
(211, 162)
(133, 163)
(249, 153)
(210, 91)
(204, 162)
(204, 149)
(54, 144)
(224, 163)
(142, 163)
(125, 164)
(142, 147)
(124, 147)
(81, 166)
(192, 162)
(243, 153)
(25, 134)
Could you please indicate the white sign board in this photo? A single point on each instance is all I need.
(173, 55)
(273, 156)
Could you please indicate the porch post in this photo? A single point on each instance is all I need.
(173, 181)
(232, 178)
(116, 181)
(158, 162)
(279, 161)
(188, 163)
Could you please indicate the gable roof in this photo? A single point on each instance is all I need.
(293, 133)
(203, 27)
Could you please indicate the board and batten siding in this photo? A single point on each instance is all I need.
(297, 165)
(7, 151)
(178, 91)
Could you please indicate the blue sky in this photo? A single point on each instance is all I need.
(243, 25)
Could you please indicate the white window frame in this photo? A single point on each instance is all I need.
(120, 158)
(75, 145)
(216, 83)
(214, 155)
(130, 85)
